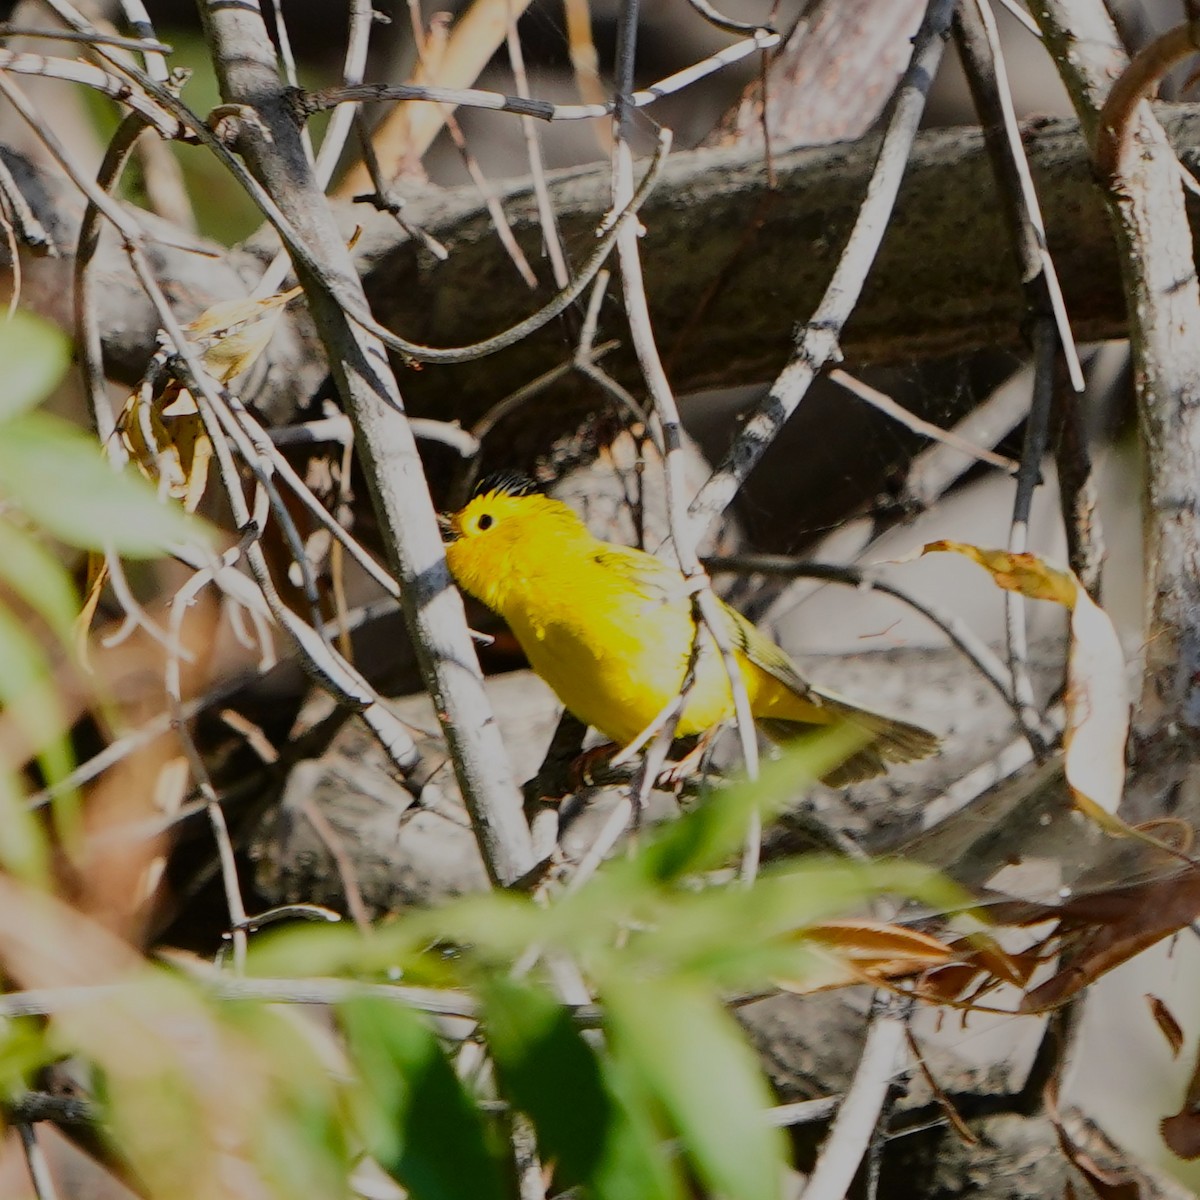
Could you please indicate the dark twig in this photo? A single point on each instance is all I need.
(1037, 433)
(956, 630)
(979, 45)
(308, 103)
(1077, 488)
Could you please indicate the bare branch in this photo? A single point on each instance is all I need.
(818, 342)
(432, 606)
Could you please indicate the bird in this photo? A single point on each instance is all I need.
(612, 630)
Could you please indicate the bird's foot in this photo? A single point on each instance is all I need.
(674, 774)
(587, 770)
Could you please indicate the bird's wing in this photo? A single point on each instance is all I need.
(893, 740)
(649, 576)
(763, 653)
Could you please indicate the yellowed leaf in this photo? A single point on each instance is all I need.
(97, 573)
(852, 951)
(1096, 701)
(167, 440)
(239, 331)
(1024, 573)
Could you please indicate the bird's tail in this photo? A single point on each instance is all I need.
(892, 740)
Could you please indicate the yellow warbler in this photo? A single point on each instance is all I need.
(611, 630)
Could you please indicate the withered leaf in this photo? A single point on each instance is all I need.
(1165, 1020)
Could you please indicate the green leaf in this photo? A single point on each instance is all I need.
(35, 575)
(542, 1058)
(596, 1132)
(299, 1139)
(705, 837)
(57, 476)
(35, 355)
(23, 849)
(415, 1117)
(737, 937)
(691, 1056)
(28, 694)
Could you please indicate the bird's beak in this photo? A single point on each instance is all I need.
(446, 525)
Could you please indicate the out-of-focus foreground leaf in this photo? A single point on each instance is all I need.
(593, 1125)
(413, 1113)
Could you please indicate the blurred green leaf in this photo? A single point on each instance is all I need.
(300, 1139)
(29, 694)
(590, 1131)
(415, 1117)
(23, 849)
(693, 1058)
(35, 356)
(640, 1162)
(56, 475)
(23, 1050)
(542, 1058)
(705, 837)
(737, 937)
(35, 575)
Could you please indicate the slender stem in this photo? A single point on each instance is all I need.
(432, 606)
(817, 343)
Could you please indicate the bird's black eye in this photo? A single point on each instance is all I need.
(486, 521)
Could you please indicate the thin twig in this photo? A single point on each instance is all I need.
(1037, 433)
(936, 468)
(724, 23)
(98, 80)
(308, 103)
(551, 236)
(817, 343)
(97, 38)
(858, 1114)
(358, 43)
(184, 598)
(885, 404)
(30, 230)
(1078, 491)
(35, 1161)
(432, 607)
(637, 312)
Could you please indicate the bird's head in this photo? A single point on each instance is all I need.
(499, 500)
(501, 535)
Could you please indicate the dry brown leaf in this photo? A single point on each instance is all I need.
(238, 331)
(1166, 1022)
(878, 940)
(852, 951)
(97, 575)
(1106, 1182)
(1181, 1131)
(166, 438)
(1108, 928)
